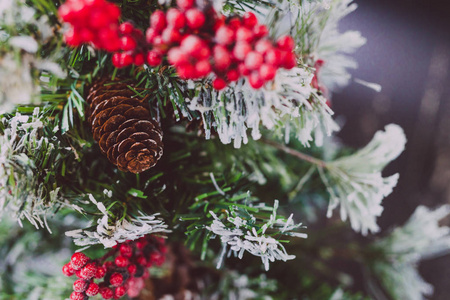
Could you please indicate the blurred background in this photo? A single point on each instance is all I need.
(408, 53)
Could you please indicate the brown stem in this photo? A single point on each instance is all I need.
(295, 153)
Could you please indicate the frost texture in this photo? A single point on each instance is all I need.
(356, 184)
(21, 192)
(241, 236)
(119, 231)
(421, 237)
(289, 99)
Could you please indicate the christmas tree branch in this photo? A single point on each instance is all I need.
(295, 153)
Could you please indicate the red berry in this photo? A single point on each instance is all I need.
(241, 49)
(273, 57)
(150, 34)
(286, 43)
(191, 43)
(234, 23)
(68, 270)
(175, 18)
(121, 261)
(185, 4)
(222, 58)
(72, 38)
(186, 71)
(141, 244)
(101, 271)
(138, 34)
(158, 20)
(202, 68)
(170, 35)
(86, 35)
(120, 291)
(80, 285)
(255, 80)
(253, 60)
(78, 260)
(194, 18)
(224, 35)
(66, 13)
(249, 20)
(260, 31)
(127, 43)
(141, 260)
(89, 271)
(126, 28)
(139, 59)
(176, 57)
(262, 46)
(232, 75)
(244, 34)
(106, 293)
(159, 44)
(319, 63)
(243, 69)
(132, 269)
(109, 37)
(219, 83)
(267, 72)
(154, 58)
(157, 258)
(92, 290)
(135, 285)
(126, 250)
(195, 46)
(76, 296)
(99, 19)
(112, 11)
(78, 273)
(108, 265)
(289, 61)
(116, 279)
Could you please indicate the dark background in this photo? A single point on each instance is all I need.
(408, 53)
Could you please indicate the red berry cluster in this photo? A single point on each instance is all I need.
(133, 47)
(124, 274)
(229, 47)
(197, 41)
(93, 21)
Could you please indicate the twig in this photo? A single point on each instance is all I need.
(295, 153)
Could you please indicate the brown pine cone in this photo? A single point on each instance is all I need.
(122, 125)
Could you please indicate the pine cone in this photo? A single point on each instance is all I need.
(123, 127)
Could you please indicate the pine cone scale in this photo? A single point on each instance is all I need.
(123, 127)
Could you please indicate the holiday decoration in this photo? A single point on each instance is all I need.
(195, 45)
(123, 127)
(92, 209)
(124, 274)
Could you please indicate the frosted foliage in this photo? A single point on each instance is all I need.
(109, 232)
(236, 234)
(315, 26)
(17, 85)
(288, 103)
(420, 237)
(355, 182)
(25, 199)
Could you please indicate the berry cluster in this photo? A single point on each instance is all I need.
(124, 274)
(229, 47)
(133, 47)
(197, 41)
(93, 21)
